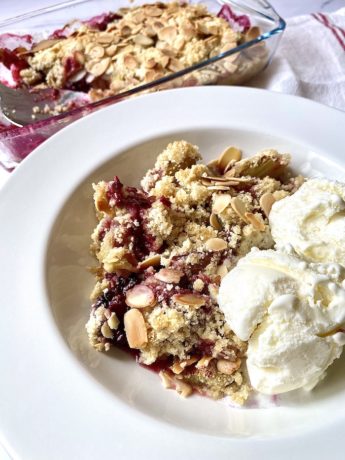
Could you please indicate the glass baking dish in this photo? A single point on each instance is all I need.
(233, 66)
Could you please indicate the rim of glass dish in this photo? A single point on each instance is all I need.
(272, 16)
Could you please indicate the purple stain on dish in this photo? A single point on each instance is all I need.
(242, 21)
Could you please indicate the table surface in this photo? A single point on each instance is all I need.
(286, 8)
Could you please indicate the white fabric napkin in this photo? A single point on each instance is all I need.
(310, 60)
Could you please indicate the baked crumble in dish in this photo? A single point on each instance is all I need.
(115, 52)
(162, 250)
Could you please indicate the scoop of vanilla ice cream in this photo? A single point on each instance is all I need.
(312, 221)
(290, 312)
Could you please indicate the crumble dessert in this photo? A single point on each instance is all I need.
(162, 251)
(116, 52)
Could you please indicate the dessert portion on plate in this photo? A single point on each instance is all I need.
(118, 51)
(163, 250)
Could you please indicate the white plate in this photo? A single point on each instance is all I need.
(59, 399)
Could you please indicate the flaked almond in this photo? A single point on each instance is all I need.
(45, 44)
(96, 52)
(167, 380)
(101, 203)
(239, 207)
(100, 67)
(222, 270)
(266, 203)
(130, 62)
(106, 331)
(179, 43)
(153, 11)
(168, 275)
(140, 296)
(151, 261)
(213, 164)
(164, 61)
(256, 223)
(79, 56)
(221, 202)
(167, 34)
(188, 362)
(203, 362)
(113, 321)
(77, 76)
(175, 65)
(229, 154)
(183, 388)
(111, 50)
(143, 40)
(176, 368)
(193, 300)
(106, 38)
(228, 367)
(215, 222)
(135, 328)
(150, 63)
(213, 179)
(216, 244)
(230, 66)
(125, 31)
(252, 34)
(220, 188)
(152, 75)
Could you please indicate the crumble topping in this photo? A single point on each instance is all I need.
(139, 45)
(162, 250)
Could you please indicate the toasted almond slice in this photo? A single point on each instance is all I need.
(221, 202)
(135, 328)
(113, 321)
(96, 52)
(175, 65)
(106, 331)
(256, 223)
(228, 367)
(168, 275)
(230, 153)
(193, 300)
(214, 221)
(230, 66)
(111, 50)
(153, 11)
(252, 34)
(106, 38)
(188, 362)
(44, 44)
(222, 270)
(100, 67)
(164, 61)
(167, 380)
(125, 31)
(215, 178)
(244, 180)
(150, 63)
(266, 203)
(183, 388)
(239, 207)
(143, 40)
(203, 362)
(216, 244)
(130, 62)
(176, 368)
(213, 164)
(151, 261)
(219, 187)
(168, 34)
(140, 296)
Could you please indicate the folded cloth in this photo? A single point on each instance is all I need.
(310, 60)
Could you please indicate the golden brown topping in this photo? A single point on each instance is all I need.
(229, 154)
(215, 222)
